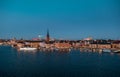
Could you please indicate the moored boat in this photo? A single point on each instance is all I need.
(117, 51)
(106, 50)
(1, 43)
(28, 49)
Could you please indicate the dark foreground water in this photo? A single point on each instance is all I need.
(15, 63)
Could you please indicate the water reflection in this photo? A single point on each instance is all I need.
(118, 54)
(74, 63)
(48, 52)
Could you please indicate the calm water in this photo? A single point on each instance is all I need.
(15, 63)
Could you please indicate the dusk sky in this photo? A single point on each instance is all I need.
(67, 19)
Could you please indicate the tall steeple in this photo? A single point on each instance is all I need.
(47, 36)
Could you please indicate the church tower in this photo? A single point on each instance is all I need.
(47, 37)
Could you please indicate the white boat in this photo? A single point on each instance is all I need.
(1, 43)
(28, 49)
(116, 51)
(106, 50)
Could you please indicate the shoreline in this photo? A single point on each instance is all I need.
(65, 45)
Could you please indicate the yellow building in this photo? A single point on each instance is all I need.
(62, 45)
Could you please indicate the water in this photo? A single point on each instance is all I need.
(15, 63)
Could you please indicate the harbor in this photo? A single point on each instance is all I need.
(64, 45)
(87, 44)
(65, 58)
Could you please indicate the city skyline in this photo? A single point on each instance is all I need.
(73, 19)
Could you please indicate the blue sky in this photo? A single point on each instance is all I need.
(65, 19)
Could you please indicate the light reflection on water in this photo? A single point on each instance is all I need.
(76, 63)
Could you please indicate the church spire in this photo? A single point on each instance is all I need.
(48, 36)
(47, 33)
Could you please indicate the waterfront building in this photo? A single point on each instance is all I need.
(42, 44)
(49, 45)
(31, 43)
(13, 41)
(62, 45)
(116, 44)
(1, 42)
(20, 44)
(100, 44)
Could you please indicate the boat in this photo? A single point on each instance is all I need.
(28, 49)
(117, 51)
(1, 43)
(106, 50)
